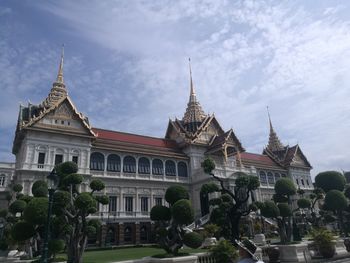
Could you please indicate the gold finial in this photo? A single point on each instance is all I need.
(192, 92)
(60, 69)
(274, 142)
(268, 114)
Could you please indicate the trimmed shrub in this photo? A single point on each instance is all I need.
(39, 189)
(56, 246)
(22, 231)
(176, 193)
(160, 213)
(66, 168)
(103, 199)
(36, 211)
(304, 203)
(17, 206)
(330, 180)
(97, 185)
(335, 200)
(183, 212)
(285, 186)
(85, 201)
(208, 165)
(193, 240)
(270, 210)
(17, 188)
(26, 198)
(73, 179)
(285, 210)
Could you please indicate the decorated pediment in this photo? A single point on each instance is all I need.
(299, 159)
(62, 116)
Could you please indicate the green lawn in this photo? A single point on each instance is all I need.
(120, 254)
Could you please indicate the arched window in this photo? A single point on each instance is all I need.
(127, 234)
(129, 165)
(110, 236)
(170, 169)
(157, 167)
(113, 163)
(270, 178)
(263, 179)
(277, 176)
(182, 169)
(97, 161)
(143, 234)
(144, 165)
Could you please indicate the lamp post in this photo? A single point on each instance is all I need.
(52, 182)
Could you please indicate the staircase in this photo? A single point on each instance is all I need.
(202, 221)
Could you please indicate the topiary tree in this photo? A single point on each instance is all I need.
(55, 247)
(22, 231)
(330, 180)
(193, 240)
(280, 213)
(231, 209)
(39, 189)
(13, 220)
(17, 206)
(72, 209)
(171, 222)
(280, 209)
(336, 201)
(206, 189)
(304, 203)
(316, 195)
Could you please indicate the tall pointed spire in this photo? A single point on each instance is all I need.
(59, 78)
(194, 113)
(58, 90)
(274, 142)
(192, 91)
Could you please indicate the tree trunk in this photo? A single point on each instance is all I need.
(234, 221)
(282, 230)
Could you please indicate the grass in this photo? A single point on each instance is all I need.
(120, 254)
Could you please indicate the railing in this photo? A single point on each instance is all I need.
(202, 221)
(109, 216)
(206, 258)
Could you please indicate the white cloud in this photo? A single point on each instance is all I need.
(245, 55)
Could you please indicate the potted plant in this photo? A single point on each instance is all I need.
(323, 240)
(210, 230)
(224, 252)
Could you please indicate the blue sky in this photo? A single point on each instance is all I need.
(126, 67)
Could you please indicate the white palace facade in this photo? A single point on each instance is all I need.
(137, 169)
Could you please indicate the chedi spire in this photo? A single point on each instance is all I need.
(194, 114)
(274, 142)
(58, 90)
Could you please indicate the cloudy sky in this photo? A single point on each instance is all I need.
(126, 67)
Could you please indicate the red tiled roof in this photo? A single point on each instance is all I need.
(257, 158)
(134, 138)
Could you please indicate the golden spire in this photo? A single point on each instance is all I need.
(274, 142)
(60, 69)
(192, 92)
(58, 90)
(194, 113)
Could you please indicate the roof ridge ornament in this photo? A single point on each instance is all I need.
(274, 142)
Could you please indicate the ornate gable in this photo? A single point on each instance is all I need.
(297, 158)
(62, 116)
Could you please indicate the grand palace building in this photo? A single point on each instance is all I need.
(137, 169)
